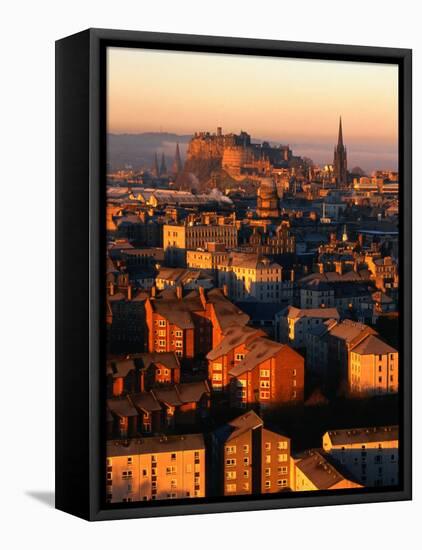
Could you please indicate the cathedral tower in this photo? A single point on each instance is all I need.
(340, 160)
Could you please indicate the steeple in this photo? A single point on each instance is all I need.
(340, 159)
(163, 166)
(340, 135)
(177, 163)
(155, 170)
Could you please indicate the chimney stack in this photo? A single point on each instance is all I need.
(179, 292)
(153, 291)
(292, 275)
(129, 292)
(111, 289)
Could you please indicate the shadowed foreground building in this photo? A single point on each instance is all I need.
(156, 468)
(249, 458)
(369, 454)
(316, 472)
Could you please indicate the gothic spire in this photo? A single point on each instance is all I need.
(177, 163)
(155, 170)
(163, 166)
(340, 135)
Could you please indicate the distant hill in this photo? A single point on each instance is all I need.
(137, 150)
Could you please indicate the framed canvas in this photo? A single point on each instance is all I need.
(233, 274)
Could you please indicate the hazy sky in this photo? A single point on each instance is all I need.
(286, 100)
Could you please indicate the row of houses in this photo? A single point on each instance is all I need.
(244, 457)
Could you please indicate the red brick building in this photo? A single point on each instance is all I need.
(190, 324)
(269, 374)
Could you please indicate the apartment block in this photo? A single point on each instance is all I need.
(156, 468)
(371, 455)
(251, 458)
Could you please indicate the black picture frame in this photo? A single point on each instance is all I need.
(80, 241)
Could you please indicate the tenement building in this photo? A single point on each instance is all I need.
(250, 459)
(369, 454)
(179, 238)
(156, 468)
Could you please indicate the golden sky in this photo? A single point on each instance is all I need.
(288, 100)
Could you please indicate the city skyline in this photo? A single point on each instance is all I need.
(148, 92)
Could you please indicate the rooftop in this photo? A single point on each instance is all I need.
(364, 435)
(319, 469)
(156, 445)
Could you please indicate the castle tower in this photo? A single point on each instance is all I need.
(155, 170)
(340, 159)
(267, 199)
(177, 166)
(163, 166)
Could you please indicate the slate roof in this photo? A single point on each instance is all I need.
(155, 445)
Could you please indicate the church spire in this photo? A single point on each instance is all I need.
(340, 159)
(163, 166)
(340, 135)
(155, 170)
(177, 163)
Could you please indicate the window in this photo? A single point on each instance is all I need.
(178, 333)
(264, 384)
(245, 486)
(231, 487)
(282, 482)
(173, 456)
(239, 356)
(264, 394)
(267, 459)
(162, 343)
(268, 484)
(245, 473)
(161, 323)
(268, 446)
(217, 377)
(246, 448)
(161, 333)
(231, 462)
(231, 449)
(129, 460)
(264, 373)
(179, 344)
(246, 461)
(144, 473)
(282, 458)
(267, 472)
(281, 445)
(127, 474)
(171, 470)
(282, 470)
(231, 475)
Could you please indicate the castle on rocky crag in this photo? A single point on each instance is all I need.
(213, 157)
